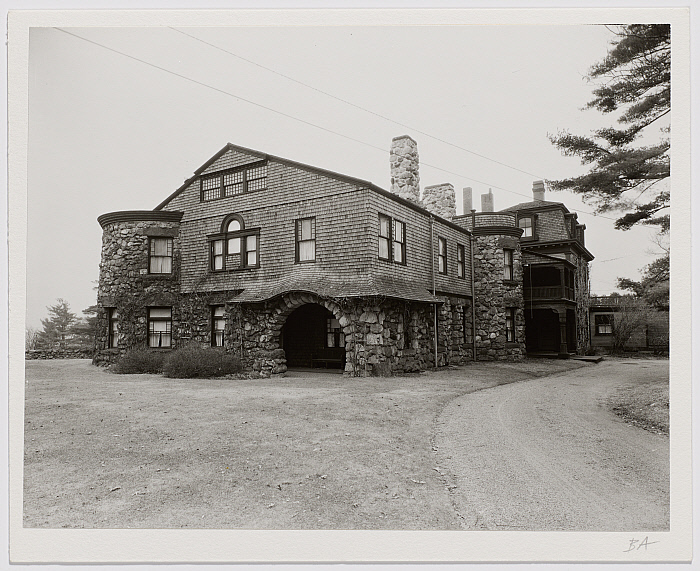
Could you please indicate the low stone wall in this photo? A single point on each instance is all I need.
(59, 354)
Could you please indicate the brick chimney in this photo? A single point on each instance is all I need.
(487, 202)
(440, 200)
(403, 157)
(466, 200)
(538, 190)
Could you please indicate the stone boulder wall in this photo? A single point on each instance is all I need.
(494, 294)
(440, 200)
(403, 158)
(59, 354)
(380, 335)
(125, 282)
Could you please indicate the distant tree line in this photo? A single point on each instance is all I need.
(63, 329)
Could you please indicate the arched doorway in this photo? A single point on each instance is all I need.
(312, 337)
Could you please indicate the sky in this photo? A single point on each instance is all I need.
(108, 132)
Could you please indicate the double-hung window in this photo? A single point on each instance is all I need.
(604, 324)
(526, 223)
(442, 255)
(218, 324)
(508, 265)
(460, 261)
(392, 240)
(113, 327)
(160, 255)
(235, 247)
(306, 240)
(510, 324)
(384, 237)
(334, 333)
(160, 324)
(399, 242)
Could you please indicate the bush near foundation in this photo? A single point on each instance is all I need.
(139, 361)
(197, 362)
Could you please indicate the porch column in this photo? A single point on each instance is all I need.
(563, 349)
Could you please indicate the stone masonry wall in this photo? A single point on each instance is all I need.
(381, 336)
(493, 295)
(403, 159)
(126, 285)
(440, 200)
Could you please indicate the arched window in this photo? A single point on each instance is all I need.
(235, 247)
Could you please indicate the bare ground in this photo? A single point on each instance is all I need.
(549, 454)
(307, 451)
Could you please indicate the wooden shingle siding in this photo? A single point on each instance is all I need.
(551, 226)
(418, 264)
(229, 160)
(341, 230)
(347, 229)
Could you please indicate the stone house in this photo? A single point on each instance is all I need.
(555, 275)
(289, 265)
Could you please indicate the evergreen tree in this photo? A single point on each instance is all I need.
(636, 84)
(83, 330)
(57, 327)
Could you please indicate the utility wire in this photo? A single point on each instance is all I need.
(354, 104)
(197, 82)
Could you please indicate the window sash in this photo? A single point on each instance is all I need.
(218, 324)
(399, 243)
(510, 325)
(527, 226)
(306, 239)
(159, 327)
(507, 264)
(460, 261)
(442, 256)
(604, 324)
(231, 183)
(160, 256)
(113, 328)
(334, 333)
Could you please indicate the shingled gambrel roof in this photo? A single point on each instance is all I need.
(352, 180)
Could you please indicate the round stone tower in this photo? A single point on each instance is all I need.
(498, 285)
(139, 285)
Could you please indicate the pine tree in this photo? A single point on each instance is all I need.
(636, 84)
(83, 329)
(57, 326)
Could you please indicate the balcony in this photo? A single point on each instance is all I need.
(549, 292)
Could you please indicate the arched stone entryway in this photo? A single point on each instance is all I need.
(312, 337)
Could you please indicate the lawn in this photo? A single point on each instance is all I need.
(305, 451)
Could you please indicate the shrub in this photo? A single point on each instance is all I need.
(139, 361)
(194, 361)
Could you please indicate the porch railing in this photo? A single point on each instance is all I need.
(549, 292)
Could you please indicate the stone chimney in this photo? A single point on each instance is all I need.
(487, 202)
(440, 199)
(538, 190)
(466, 200)
(403, 157)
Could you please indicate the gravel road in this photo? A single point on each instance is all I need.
(546, 454)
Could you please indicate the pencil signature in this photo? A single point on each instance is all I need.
(636, 544)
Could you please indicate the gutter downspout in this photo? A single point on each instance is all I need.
(432, 275)
(472, 241)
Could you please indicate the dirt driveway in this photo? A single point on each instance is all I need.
(307, 451)
(549, 454)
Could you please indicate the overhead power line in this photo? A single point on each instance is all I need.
(294, 118)
(316, 89)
